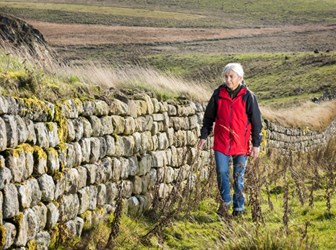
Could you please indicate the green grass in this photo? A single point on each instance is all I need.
(184, 13)
(272, 76)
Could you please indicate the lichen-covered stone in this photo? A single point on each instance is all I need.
(145, 165)
(124, 168)
(137, 185)
(126, 188)
(72, 180)
(29, 193)
(133, 166)
(78, 128)
(11, 130)
(95, 150)
(53, 163)
(107, 125)
(79, 222)
(91, 173)
(163, 142)
(42, 135)
(41, 212)
(87, 128)
(21, 129)
(110, 145)
(105, 170)
(96, 125)
(10, 201)
(10, 234)
(116, 169)
(159, 159)
(82, 174)
(111, 192)
(31, 131)
(133, 206)
(47, 187)
(3, 134)
(42, 240)
(5, 174)
(103, 147)
(129, 126)
(118, 107)
(101, 195)
(52, 215)
(69, 207)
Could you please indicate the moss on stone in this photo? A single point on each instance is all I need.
(31, 245)
(2, 236)
(62, 123)
(39, 153)
(33, 104)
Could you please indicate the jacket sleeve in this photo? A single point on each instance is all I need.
(254, 116)
(209, 115)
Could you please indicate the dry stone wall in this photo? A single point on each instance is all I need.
(63, 164)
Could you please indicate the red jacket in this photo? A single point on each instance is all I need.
(234, 119)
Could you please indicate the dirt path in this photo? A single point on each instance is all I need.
(84, 35)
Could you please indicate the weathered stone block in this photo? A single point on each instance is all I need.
(124, 168)
(116, 169)
(133, 166)
(69, 207)
(78, 128)
(96, 125)
(72, 180)
(111, 192)
(118, 108)
(159, 159)
(85, 145)
(126, 188)
(107, 125)
(101, 108)
(110, 145)
(133, 206)
(95, 150)
(137, 185)
(53, 163)
(11, 131)
(42, 135)
(101, 195)
(47, 187)
(42, 240)
(87, 128)
(79, 222)
(10, 201)
(41, 213)
(52, 215)
(3, 134)
(91, 173)
(10, 235)
(145, 164)
(105, 169)
(103, 147)
(5, 175)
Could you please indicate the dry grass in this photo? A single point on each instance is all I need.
(137, 77)
(315, 116)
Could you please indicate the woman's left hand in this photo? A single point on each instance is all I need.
(255, 152)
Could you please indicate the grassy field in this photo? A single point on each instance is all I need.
(185, 13)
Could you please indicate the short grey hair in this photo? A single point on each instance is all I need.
(236, 67)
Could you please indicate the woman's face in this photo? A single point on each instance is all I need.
(232, 80)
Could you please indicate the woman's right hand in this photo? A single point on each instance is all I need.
(200, 144)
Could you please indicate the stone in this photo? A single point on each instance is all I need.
(106, 167)
(47, 187)
(96, 125)
(103, 147)
(78, 128)
(11, 131)
(10, 201)
(101, 108)
(79, 222)
(85, 145)
(110, 145)
(15, 160)
(1, 215)
(101, 195)
(40, 161)
(95, 150)
(111, 192)
(87, 128)
(69, 207)
(3, 134)
(21, 129)
(5, 175)
(52, 215)
(118, 124)
(133, 205)
(107, 125)
(126, 188)
(52, 132)
(42, 240)
(116, 169)
(72, 180)
(129, 126)
(82, 174)
(91, 173)
(69, 109)
(137, 185)
(42, 135)
(53, 163)
(84, 199)
(29, 193)
(41, 212)
(133, 166)
(124, 168)
(145, 164)
(118, 107)
(70, 229)
(10, 235)
(31, 132)
(159, 159)
(163, 142)
(88, 108)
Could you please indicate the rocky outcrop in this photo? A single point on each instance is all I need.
(23, 38)
(63, 164)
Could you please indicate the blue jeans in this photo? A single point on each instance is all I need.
(223, 179)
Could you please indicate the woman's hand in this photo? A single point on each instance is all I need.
(255, 152)
(200, 144)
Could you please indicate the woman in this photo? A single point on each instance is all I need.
(235, 111)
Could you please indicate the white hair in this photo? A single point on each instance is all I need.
(236, 67)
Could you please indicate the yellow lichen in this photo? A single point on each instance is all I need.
(2, 236)
(39, 153)
(62, 124)
(31, 245)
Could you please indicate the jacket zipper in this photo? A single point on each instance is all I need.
(230, 134)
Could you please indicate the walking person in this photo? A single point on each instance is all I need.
(234, 110)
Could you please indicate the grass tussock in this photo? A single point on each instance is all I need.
(314, 116)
